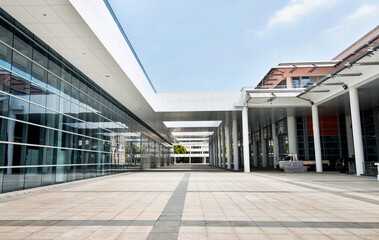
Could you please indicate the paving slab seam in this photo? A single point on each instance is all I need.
(168, 224)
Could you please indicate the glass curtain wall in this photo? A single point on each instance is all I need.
(269, 145)
(56, 125)
(282, 133)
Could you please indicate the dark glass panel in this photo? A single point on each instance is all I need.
(5, 56)
(21, 65)
(40, 56)
(53, 83)
(23, 44)
(54, 65)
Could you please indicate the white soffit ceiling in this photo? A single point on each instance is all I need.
(191, 124)
(192, 139)
(192, 133)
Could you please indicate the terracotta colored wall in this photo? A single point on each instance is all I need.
(328, 126)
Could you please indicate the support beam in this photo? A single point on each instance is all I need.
(235, 145)
(292, 142)
(316, 138)
(218, 148)
(264, 150)
(214, 151)
(210, 151)
(255, 147)
(228, 146)
(276, 145)
(245, 137)
(349, 136)
(223, 147)
(357, 131)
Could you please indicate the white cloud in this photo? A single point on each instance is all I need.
(362, 16)
(364, 11)
(295, 9)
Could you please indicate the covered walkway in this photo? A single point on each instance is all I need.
(197, 202)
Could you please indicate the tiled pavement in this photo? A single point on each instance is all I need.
(198, 202)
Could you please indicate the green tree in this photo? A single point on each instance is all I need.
(179, 149)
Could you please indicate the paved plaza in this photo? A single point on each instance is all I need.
(197, 202)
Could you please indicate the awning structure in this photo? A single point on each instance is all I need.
(357, 72)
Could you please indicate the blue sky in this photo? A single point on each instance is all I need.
(223, 45)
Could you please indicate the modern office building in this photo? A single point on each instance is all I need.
(197, 152)
(77, 103)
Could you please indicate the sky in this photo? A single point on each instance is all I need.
(224, 45)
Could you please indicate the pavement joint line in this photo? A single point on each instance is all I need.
(168, 224)
(171, 226)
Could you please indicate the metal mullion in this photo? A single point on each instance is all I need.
(47, 70)
(15, 96)
(55, 129)
(47, 146)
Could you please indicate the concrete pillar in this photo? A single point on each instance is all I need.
(10, 130)
(228, 146)
(223, 146)
(213, 152)
(218, 148)
(204, 160)
(210, 151)
(264, 150)
(349, 136)
(174, 160)
(276, 145)
(255, 149)
(245, 138)
(235, 145)
(292, 142)
(357, 131)
(289, 82)
(189, 159)
(316, 138)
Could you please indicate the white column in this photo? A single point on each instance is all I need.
(235, 145)
(245, 137)
(357, 131)
(291, 126)
(223, 147)
(276, 145)
(210, 151)
(228, 146)
(264, 150)
(255, 149)
(349, 136)
(10, 130)
(214, 151)
(316, 138)
(218, 148)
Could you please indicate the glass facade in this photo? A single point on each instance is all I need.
(56, 125)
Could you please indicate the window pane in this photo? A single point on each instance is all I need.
(21, 65)
(22, 44)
